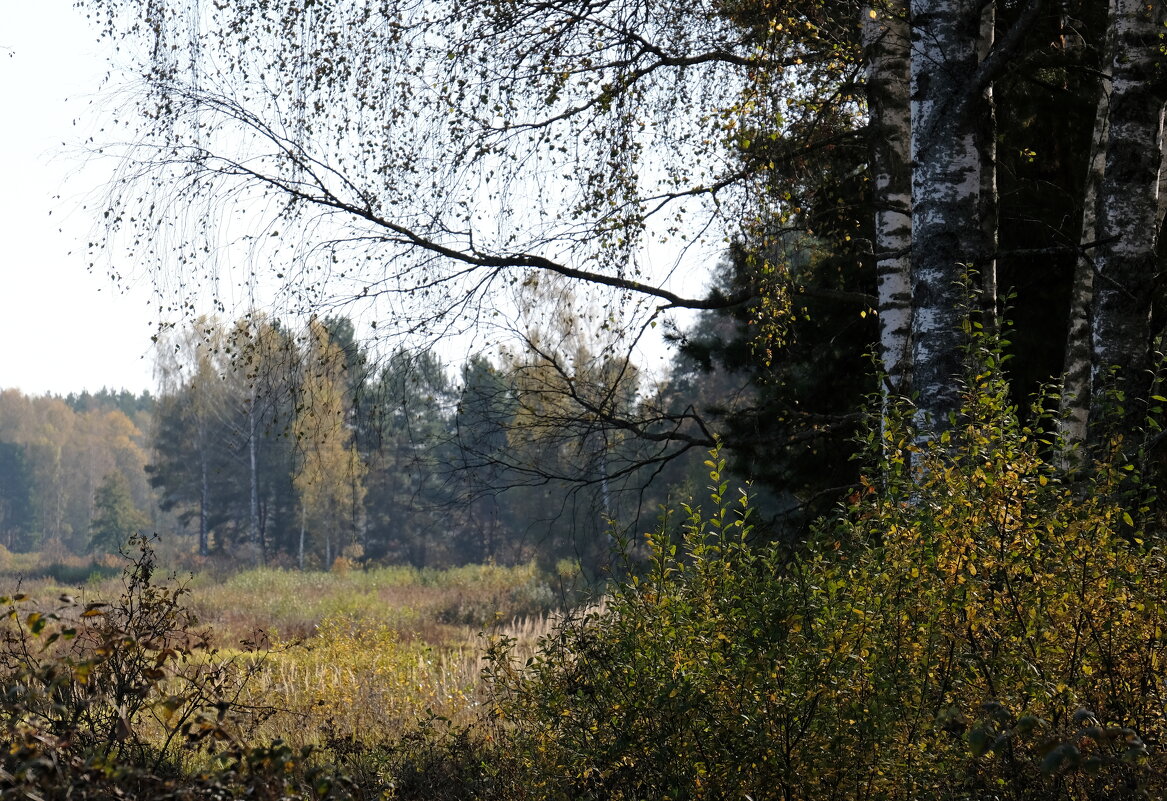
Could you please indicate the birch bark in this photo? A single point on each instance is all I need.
(887, 45)
(1076, 392)
(947, 236)
(986, 133)
(1128, 212)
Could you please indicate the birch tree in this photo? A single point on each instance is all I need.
(888, 53)
(1076, 381)
(953, 189)
(428, 158)
(1128, 222)
(330, 478)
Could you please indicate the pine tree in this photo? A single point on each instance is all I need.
(115, 518)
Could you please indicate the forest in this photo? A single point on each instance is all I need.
(886, 523)
(333, 453)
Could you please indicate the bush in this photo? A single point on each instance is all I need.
(685, 685)
(1011, 614)
(117, 700)
(972, 625)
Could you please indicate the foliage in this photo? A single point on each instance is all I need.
(113, 700)
(116, 520)
(53, 453)
(972, 625)
(1010, 611)
(676, 688)
(788, 421)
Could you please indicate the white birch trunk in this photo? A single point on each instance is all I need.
(947, 236)
(1128, 211)
(204, 493)
(253, 465)
(1162, 168)
(987, 143)
(886, 39)
(1075, 400)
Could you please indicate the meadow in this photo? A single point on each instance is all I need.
(348, 660)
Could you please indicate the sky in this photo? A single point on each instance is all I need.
(62, 329)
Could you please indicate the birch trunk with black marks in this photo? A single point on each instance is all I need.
(986, 133)
(887, 43)
(1162, 168)
(1076, 390)
(1128, 213)
(947, 236)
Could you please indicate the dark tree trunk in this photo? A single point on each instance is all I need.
(1128, 215)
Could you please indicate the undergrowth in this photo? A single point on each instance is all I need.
(974, 623)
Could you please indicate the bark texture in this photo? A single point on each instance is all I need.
(1129, 211)
(947, 183)
(888, 52)
(1076, 385)
(986, 133)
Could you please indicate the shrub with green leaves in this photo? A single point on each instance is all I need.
(973, 624)
(114, 700)
(690, 682)
(1014, 614)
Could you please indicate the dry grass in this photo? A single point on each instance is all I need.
(356, 655)
(432, 606)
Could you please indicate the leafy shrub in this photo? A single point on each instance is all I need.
(972, 625)
(682, 687)
(1012, 614)
(114, 700)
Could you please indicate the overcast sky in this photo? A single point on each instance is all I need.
(61, 329)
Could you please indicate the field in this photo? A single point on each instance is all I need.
(343, 660)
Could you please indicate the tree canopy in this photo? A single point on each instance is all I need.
(427, 163)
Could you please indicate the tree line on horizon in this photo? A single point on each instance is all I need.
(270, 444)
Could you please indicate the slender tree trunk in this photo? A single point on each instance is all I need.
(1162, 169)
(204, 499)
(1128, 214)
(253, 469)
(1075, 400)
(886, 39)
(303, 526)
(987, 145)
(947, 182)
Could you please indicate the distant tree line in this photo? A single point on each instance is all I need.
(55, 452)
(295, 445)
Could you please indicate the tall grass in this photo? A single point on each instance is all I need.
(434, 606)
(350, 660)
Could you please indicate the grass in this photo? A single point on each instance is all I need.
(352, 657)
(436, 607)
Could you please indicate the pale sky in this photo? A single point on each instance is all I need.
(61, 329)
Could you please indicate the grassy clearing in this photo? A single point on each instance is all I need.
(361, 655)
(436, 607)
(352, 656)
